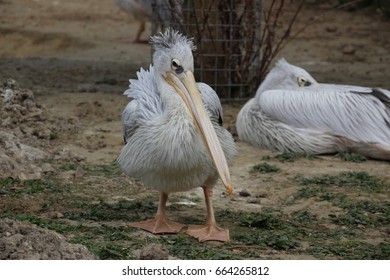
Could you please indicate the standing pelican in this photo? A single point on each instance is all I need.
(142, 11)
(174, 135)
(293, 112)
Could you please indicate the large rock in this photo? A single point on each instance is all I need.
(18, 160)
(26, 241)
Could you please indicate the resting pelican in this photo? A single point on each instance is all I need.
(174, 135)
(293, 112)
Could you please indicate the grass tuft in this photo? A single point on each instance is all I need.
(291, 157)
(351, 157)
(360, 180)
(265, 168)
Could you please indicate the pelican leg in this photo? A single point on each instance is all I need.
(210, 231)
(160, 224)
(141, 29)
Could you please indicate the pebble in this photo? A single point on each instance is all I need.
(290, 199)
(253, 200)
(348, 50)
(154, 252)
(331, 29)
(244, 193)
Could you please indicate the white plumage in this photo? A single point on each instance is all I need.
(293, 112)
(167, 141)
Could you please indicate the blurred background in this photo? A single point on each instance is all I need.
(87, 45)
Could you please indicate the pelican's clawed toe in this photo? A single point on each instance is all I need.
(208, 233)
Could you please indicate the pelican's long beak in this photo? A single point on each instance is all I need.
(185, 85)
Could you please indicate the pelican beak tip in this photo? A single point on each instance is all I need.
(229, 189)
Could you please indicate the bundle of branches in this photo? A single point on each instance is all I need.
(276, 31)
(227, 35)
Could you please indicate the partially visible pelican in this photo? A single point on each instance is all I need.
(142, 11)
(174, 136)
(292, 112)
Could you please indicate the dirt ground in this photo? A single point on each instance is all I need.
(73, 57)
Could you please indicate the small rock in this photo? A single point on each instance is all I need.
(253, 200)
(348, 50)
(290, 199)
(79, 173)
(47, 168)
(244, 193)
(11, 83)
(154, 252)
(331, 29)
(56, 215)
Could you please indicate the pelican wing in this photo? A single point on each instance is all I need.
(353, 112)
(146, 102)
(211, 102)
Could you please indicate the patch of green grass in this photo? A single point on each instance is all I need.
(291, 157)
(268, 238)
(320, 234)
(111, 169)
(265, 168)
(353, 250)
(55, 225)
(336, 198)
(265, 229)
(69, 166)
(123, 210)
(107, 251)
(107, 242)
(360, 180)
(53, 135)
(303, 217)
(351, 157)
(16, 187)
(187, 248)
(260, 220)
(307, 192)
(266, 158)
(363, 213)
(102, 169)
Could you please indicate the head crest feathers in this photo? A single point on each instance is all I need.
(170, 38)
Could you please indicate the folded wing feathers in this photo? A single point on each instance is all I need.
(145, 104)
(358, 116)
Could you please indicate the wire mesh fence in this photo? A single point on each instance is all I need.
(228, 40)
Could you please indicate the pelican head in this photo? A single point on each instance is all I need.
(174, 64)
(286, 76)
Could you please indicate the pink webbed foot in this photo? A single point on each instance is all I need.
(209, 233)
(158, 226)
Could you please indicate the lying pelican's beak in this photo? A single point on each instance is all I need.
(185, 85)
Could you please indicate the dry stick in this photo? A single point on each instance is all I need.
(274, 51)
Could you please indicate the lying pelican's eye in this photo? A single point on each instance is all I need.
(303, 82)
(176, 66)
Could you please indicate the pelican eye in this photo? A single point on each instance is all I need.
(303, 82)
(176, 66)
